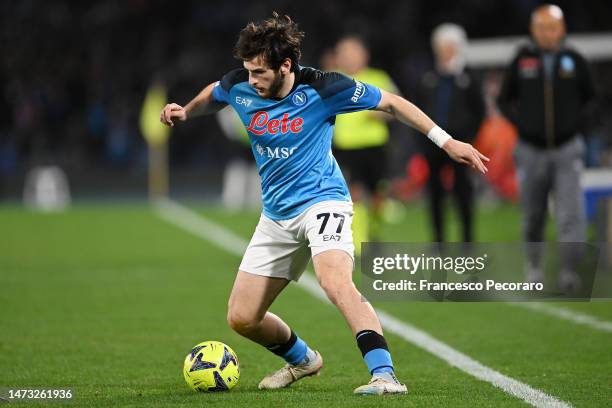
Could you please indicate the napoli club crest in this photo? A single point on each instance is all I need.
(299, 98)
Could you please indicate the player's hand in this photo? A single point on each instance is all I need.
(466, 153)
(172, 112)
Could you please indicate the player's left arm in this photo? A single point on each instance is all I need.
(202, 104)
(387, 84)
(408, 113)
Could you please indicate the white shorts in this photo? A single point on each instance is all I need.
(282, 249)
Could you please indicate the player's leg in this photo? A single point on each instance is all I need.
(247, 312)
(274, 256)
(248, 315)
(334, 270)
(329, 233)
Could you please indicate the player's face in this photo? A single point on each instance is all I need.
(266, 81)
(547, 30)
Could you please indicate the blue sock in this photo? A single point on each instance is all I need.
(378, 361)
(293, 351)
(296, 353)
(375, 352)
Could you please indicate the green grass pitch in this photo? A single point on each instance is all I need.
(107, 300)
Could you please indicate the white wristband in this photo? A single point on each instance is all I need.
(438, 136)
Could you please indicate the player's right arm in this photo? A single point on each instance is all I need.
(344, 95)
(408, 113)
(204, 103)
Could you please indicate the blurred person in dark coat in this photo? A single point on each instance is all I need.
(546, 89)
(451, 94)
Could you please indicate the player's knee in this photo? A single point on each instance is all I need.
(334, 276)
(336, 289)
(240, 322)
(330, 291)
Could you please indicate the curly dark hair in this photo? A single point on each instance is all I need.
(274, 39)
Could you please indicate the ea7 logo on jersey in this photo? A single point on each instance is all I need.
(276, 153)
(243, 101)
(261, 124)
(334, 237)
(359, 91)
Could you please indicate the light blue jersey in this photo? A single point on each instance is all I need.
(291, 137)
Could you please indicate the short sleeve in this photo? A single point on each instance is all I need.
(221, 91)
(340, 93)
(219, 94)
(353, 96)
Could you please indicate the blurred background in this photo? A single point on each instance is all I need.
(89, 294)
(74, 77)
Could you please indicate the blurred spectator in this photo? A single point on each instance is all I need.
(68, 66)
(359, 142)
(327, 60)
(546, 90)
(451, 95)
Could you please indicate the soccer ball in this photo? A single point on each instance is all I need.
(211, 366)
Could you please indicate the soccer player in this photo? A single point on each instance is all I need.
(289, 112)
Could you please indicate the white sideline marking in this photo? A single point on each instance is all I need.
(567, 314)
(215, 234)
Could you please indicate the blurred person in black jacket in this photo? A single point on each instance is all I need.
(451, 94)
(545, 92)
